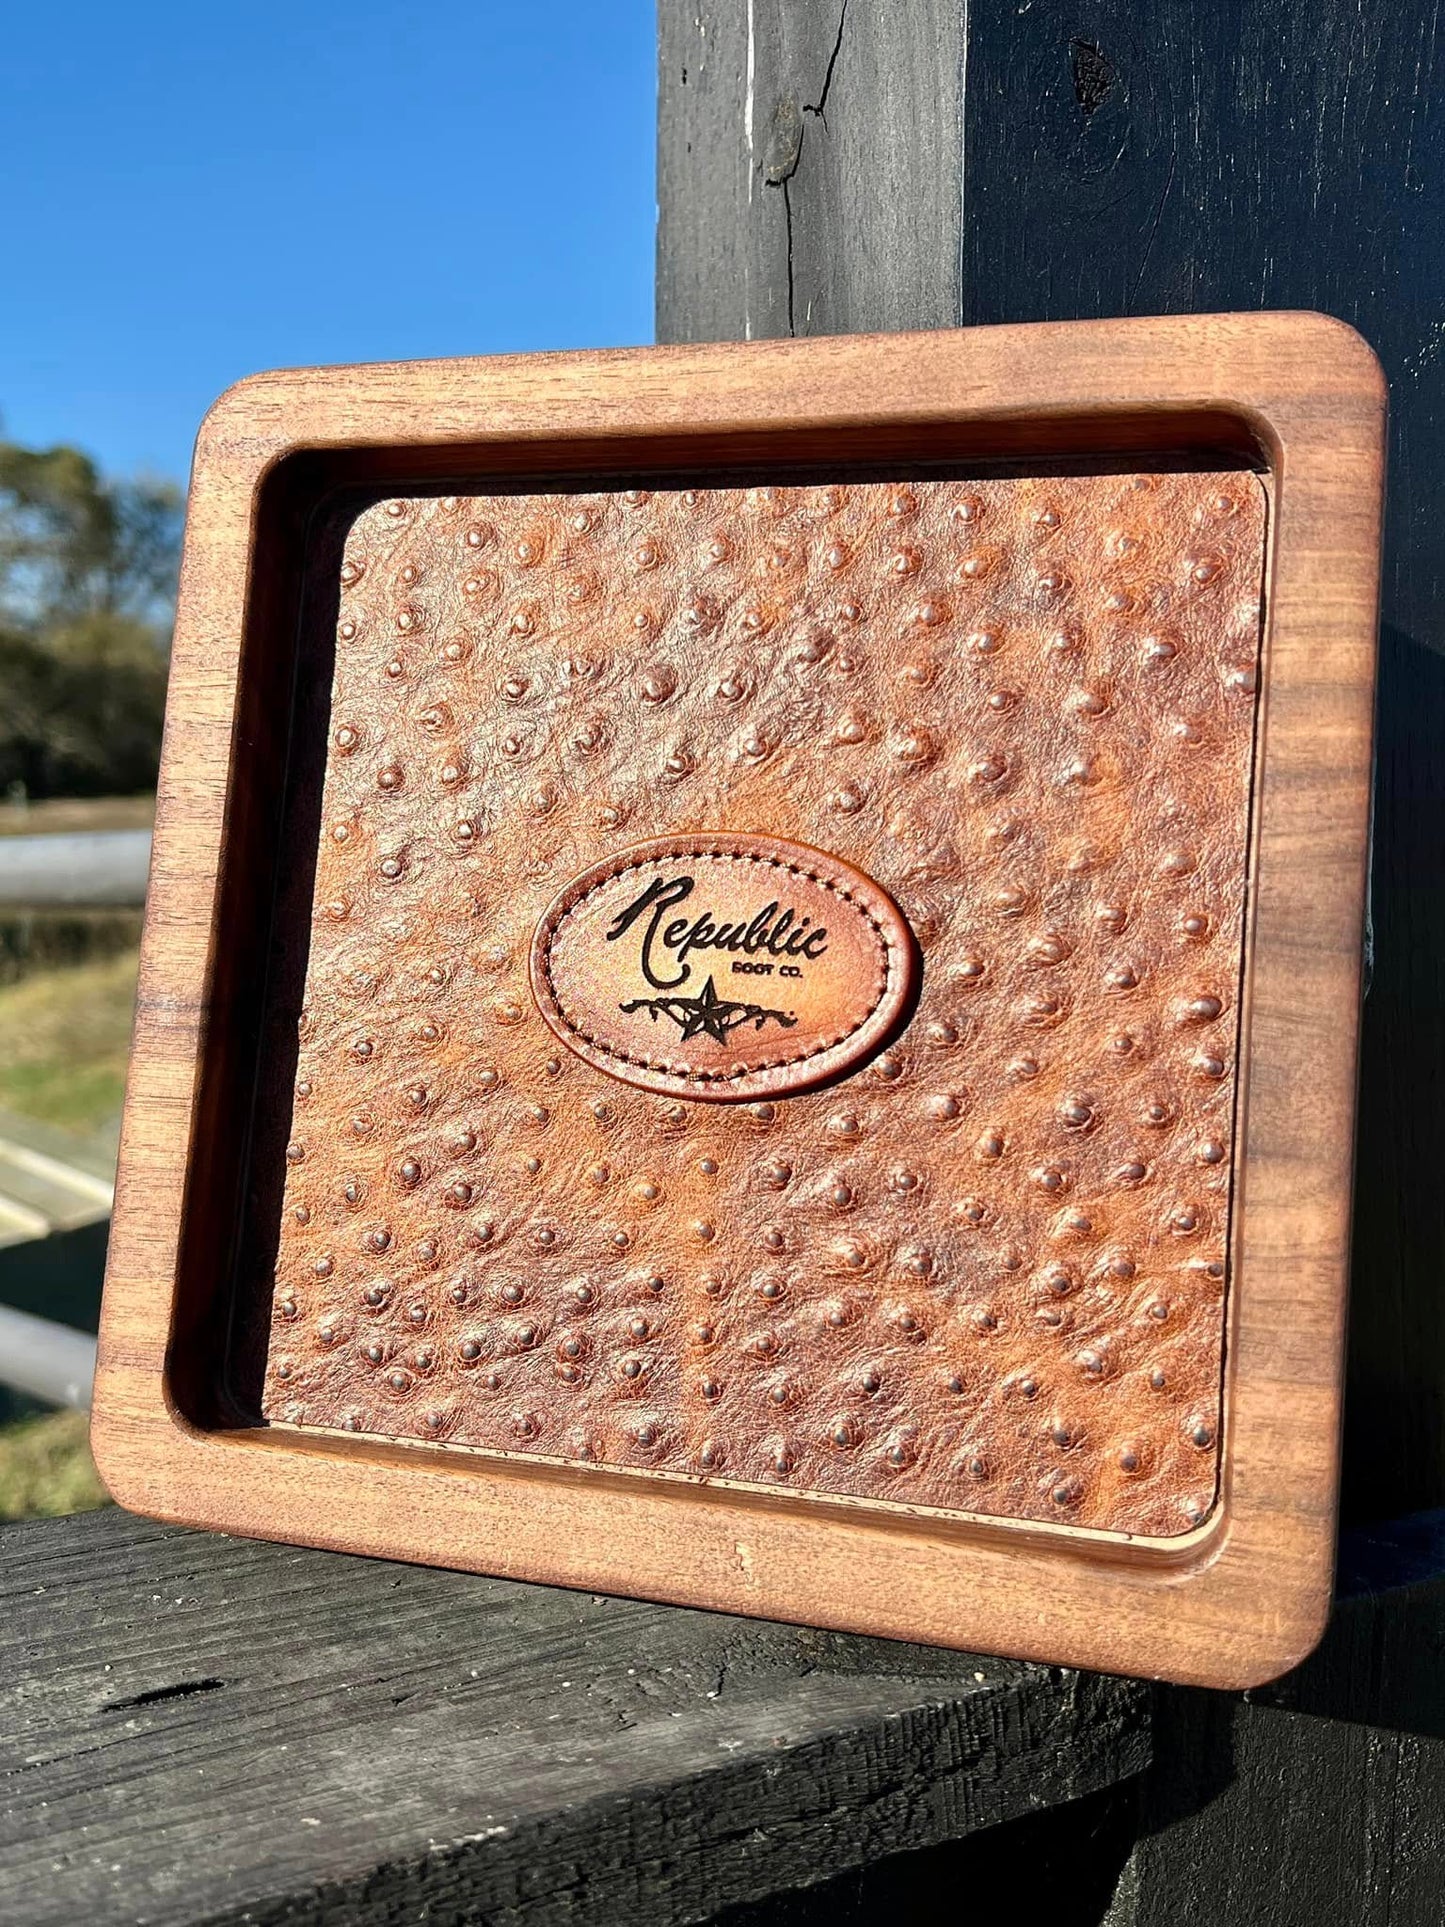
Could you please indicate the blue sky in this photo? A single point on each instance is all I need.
(196, 191)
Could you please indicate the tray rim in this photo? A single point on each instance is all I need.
(1248, 1593)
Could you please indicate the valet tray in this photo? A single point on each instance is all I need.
(990, 1338)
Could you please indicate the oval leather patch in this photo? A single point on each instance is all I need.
(722, 967)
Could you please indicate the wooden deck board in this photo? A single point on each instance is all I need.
(201, 1729)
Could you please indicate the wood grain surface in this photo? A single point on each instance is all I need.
(785, 127)
(204, 1730)
(1235, 1601)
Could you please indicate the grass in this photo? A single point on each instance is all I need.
(46, 1468)
(64, 1039)
(77, 813)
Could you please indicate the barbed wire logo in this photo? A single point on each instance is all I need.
(708, 1015)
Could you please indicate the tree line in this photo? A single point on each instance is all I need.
(87, 589)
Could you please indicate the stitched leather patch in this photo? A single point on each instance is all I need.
(722, 967)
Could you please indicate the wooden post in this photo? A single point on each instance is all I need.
(826, 167)
(809, 164)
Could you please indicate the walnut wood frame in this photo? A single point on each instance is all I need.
(1234, 1603)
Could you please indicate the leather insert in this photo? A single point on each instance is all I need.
(984, 1267)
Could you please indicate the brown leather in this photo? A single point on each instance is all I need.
(984, 1271)
(722, 968)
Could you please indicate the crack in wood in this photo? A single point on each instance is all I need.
(182, 1690)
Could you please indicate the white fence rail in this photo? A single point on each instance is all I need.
(75, 870)
(48, 1361)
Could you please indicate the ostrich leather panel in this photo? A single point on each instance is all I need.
(774, 988)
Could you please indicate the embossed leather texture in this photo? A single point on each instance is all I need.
(983, 1270)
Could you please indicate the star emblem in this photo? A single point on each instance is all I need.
(708, 1015)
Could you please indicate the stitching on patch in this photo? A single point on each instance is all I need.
(575, 903)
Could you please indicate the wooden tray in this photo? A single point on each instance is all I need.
(750, 981)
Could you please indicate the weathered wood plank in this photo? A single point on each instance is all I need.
(809, 165)
(199, 1729)
(1059, 1866)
